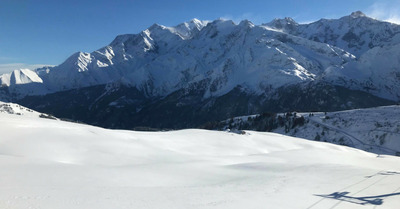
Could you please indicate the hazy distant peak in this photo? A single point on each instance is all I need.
(357, 14)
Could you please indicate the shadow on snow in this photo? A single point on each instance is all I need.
(372, 200)
(366, 200)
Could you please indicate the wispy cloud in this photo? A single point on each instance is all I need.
(9, 67)
(388, 11)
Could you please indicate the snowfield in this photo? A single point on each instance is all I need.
(51, 164)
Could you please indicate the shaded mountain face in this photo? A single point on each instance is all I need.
(121, 107)
(198, 71)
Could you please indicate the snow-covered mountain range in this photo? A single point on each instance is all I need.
(355, 59)
(55, 164)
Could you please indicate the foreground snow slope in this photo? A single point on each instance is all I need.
(53, 164)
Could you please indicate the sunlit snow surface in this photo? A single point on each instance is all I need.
(52, 164)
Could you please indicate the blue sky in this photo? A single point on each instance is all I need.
(36, 32)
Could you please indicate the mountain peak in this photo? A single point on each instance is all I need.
(286, 21)
(222, 24)
(156, 26)
(285, 24)
(24, 76)
(357, 14)
(223, 21)
(197, 21)
(246, 23)
(192, 24)
(290, 20)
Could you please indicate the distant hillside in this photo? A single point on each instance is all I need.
(373, 129)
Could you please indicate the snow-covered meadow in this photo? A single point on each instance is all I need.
(50, 164)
